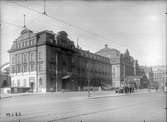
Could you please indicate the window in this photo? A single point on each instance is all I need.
(18, 68)
(30, 42)
(32, 56)
(12, 83)
(32, 66)
(5, 83)
(40, 82)
(18, 83)
(32, 79)
(26, 43)
(17, 59)
(40, 66)
(33, 41)
(25, 67)
(13, 59)
(13, 69)
(19, 45)
(22, 44)
(24, 57)
(25, 82)
(40, 55)
(113, 72)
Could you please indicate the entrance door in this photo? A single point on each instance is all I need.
(66, 84)
(31, 86)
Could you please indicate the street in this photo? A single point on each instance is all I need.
(69, 107)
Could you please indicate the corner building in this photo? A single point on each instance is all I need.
(45, 61)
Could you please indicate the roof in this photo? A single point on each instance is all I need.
(107, 49)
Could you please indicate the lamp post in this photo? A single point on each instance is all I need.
(88, 78)
(56, 71)
(88, 88)
(0, 86)
(124, 78)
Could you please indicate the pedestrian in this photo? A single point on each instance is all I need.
(156, 89)
(7, 114)
(19, 114)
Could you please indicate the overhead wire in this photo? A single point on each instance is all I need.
(9, 23)
(44, 13)
(34, 10)
(64, 22)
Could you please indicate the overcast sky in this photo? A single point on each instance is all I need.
(135, 25)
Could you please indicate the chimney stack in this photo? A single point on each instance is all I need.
(106, 46)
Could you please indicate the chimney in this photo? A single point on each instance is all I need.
(106, 46)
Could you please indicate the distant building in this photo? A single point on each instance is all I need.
(115, 60)
(5, 80)
(45, 61)
(123, 65)
(134, 81)
(160, 75)
(148, 73)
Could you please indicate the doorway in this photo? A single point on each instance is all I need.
(31, 87)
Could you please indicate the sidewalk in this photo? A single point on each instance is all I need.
(80, 94)
(17, 94)
(139, 91)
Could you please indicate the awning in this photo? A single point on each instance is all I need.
(66, 77)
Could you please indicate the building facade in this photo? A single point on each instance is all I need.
(45, 61)
(160, 75)
(5, 80)
(123, 65)
(115, 60)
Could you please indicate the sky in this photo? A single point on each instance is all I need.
(139, 26)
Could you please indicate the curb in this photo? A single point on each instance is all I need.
(91, 97)
(117, 95)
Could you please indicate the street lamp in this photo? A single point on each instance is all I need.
(88, 88)
(56, 71)
(88, 78)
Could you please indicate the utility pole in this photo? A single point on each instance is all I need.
(56, 70)
(124, 77)
(77, 43)
(44, 12)
(88, 77)
(124, 73)
(24, 26)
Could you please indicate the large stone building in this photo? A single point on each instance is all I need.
(123, 65)
(46, 61)
(115, 60)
